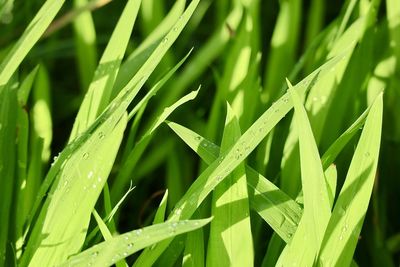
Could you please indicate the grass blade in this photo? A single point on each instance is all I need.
(119, 247)
(348, 214)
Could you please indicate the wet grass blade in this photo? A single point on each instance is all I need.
(29, 38)
(119, 247)
(351, 206)
(274, 206)
(230, 241)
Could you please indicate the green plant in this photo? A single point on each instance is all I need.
(262, 194)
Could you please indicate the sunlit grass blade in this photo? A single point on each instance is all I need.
(273, 205)
(31, 35)
(303, 248)
(138, 150)
(160, 213)
(351, 206)
(82, 175)
(85, 43)
(230, 241)
(136, 59)
(107, 235)
(229, 160)
(100, 89)
(119, 247)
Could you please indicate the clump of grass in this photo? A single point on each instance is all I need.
(296, 175)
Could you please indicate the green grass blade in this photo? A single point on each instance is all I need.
(83, 176)
(230, 241)
(160, 213)
(305, 244)
(100, 89)
(85, 43)
(273, 205)
(138, 150)
(348, 214)
(8, 120)
(31, 35)
(228, 161)
(119, 247)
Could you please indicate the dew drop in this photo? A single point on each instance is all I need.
(126, 238)
(85, 155)
(341, 237)
(289, 235)
(178, 211)
(90, 175)
(94, 185)
(315, 99)
(165, 40)
(130, 245)
(138, 232)
(367, 154)
(181, 17)
(99, 179)
(197, 138)
(94, 254)
(101, 135)
(125, 254)
(175, 29)
(174, 224)
(285, 100)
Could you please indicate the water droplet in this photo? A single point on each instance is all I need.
(344, 229)
(138, 232)
(126, 237)
(341, 237)
(315, 99)
(125, 254)
(174, 224)
(94, 185)
(197, 138)
(99, 179)
(277, 110)
(176, 29)
(101, 135)
(281, 221)
(85, 155)
(285, 100)
(165, 40)
(219, 178)
(130, 245)
(90, 175)
(289, 235)
(178, 211)
(181, 17)
(94, 254)
(367, 154)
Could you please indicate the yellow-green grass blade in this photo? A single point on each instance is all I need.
(344, 227)
(208, 52)
(85, 45)
(304, 247)
(318, 103)
(229, 160)
(140, 107)
(107, 235)
(160, 213)
(194, 253)
(100, 89)
(78, 183)
(42, 125)
(230, 242)
(22, 200)
(273, 205)
(119, 247)
(28, 39)
(8, 121)
(139, 55)
(109, 217)
(284, 43)
(135, 154)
